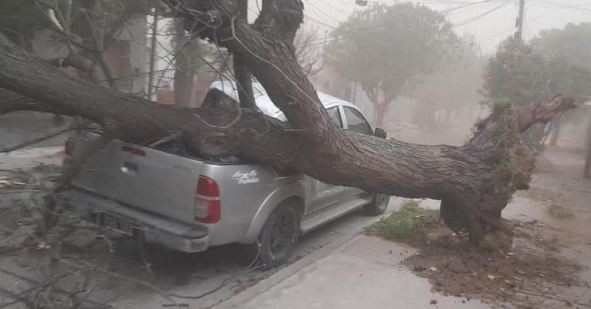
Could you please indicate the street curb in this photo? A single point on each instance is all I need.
(238, 300)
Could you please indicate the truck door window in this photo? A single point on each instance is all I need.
(335, 116)
(356, 121)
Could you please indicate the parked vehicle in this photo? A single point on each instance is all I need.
(169, 197)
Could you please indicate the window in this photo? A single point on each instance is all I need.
(335, 116)
(356, 121)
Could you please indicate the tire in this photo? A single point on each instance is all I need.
(278, 236)
(378, 205)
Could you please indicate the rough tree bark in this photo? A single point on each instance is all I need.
(474, 181)
(241, 73)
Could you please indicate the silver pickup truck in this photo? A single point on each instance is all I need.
(169, 197)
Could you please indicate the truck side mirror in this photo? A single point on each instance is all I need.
(381, 133)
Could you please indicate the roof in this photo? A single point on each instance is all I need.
(264, 103)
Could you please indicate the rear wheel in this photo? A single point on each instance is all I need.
(378, 205)
(278, 237)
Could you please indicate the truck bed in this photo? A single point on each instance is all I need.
(141, 177)
(164, 183)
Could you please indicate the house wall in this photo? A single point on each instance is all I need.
(128, 56)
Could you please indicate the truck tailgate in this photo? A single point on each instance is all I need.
(141, 177)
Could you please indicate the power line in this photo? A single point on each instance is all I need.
(483, 14)
(382, 27)
(470, 20)
(567, 6)
(337, 8)
(451, 10)
(320, 22)
(312, 5)
(461, 5)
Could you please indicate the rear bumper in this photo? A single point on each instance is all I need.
(155, 228)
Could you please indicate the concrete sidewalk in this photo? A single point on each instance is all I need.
(363, 273)
(29, 157)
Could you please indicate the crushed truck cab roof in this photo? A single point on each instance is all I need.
(264, 103)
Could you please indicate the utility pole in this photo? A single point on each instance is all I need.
(243, 77)
(519, 21)
(153, 42)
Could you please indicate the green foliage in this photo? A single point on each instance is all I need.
(515, 74)
(556, 61)
(560, 212)
(521, 75)
(568, 50)
(410, 222)
(504, 192)
(387, 48)
(571, 44)
(501, 106)
(506, 167)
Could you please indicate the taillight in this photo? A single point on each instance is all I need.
(69, 146)
(207, 201)
(133, 150)
(68, 150)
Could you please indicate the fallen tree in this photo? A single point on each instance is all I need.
(474, 181)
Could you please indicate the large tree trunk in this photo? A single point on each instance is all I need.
(241, 73)
(474, 181)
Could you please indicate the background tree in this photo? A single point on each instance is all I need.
(451, 90)
(520, 75)
(386, 49)
(308, 50)
(572, 46)
(515, 73)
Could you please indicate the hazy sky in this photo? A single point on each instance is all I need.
(490, 21)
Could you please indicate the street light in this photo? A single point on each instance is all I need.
(361, 2)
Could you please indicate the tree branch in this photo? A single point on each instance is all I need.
(544, 112)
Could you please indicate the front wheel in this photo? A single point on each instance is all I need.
(278, 236)
(378, 205)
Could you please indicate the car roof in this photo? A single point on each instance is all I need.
(264, 103)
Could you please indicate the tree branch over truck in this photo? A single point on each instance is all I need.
(474, 181)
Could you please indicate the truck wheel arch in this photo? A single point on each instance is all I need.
(276, 198)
